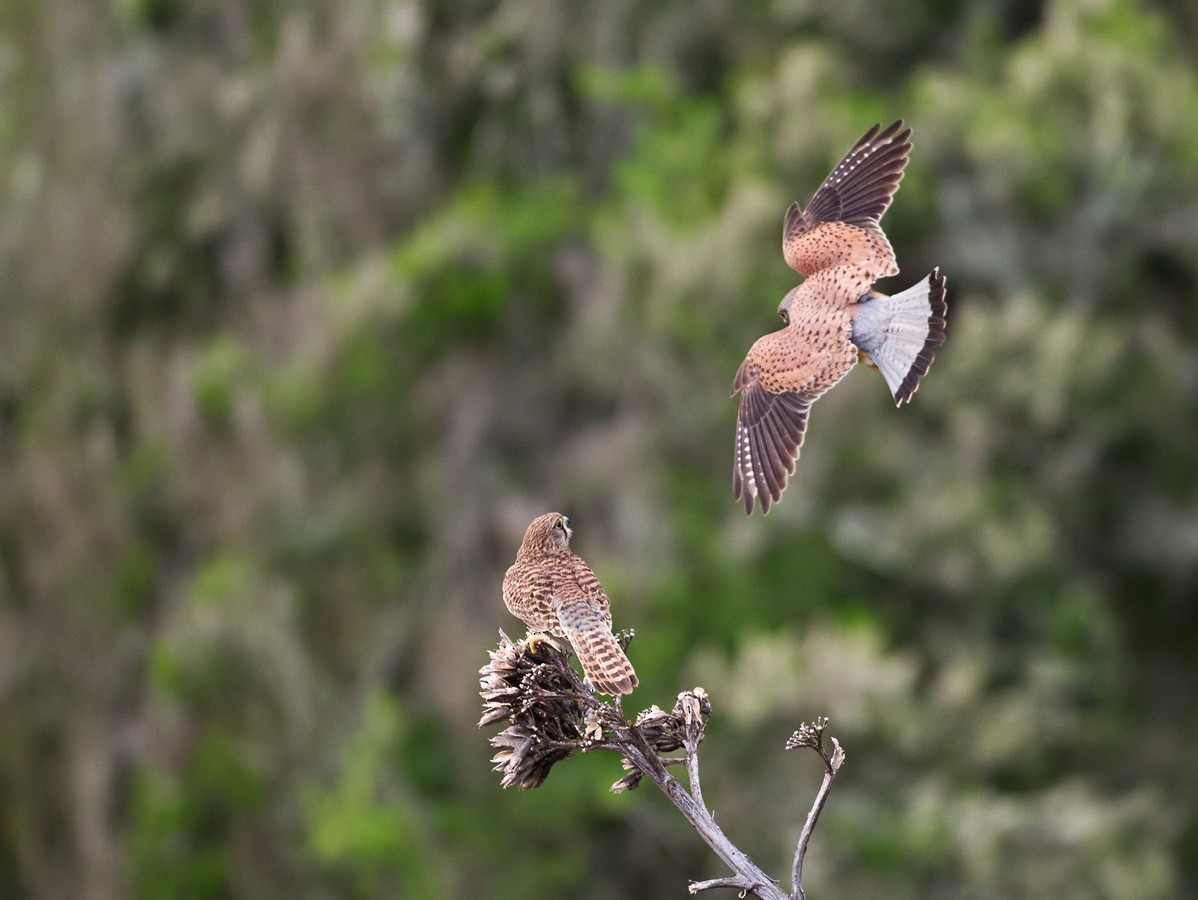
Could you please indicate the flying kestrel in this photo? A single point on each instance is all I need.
(833, 318)
(554, 592)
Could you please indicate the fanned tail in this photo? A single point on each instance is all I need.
(901, 333)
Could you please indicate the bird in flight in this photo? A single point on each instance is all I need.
(833, 318)
(554, 592)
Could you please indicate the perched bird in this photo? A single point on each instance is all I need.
(554, 592)
(833, 318)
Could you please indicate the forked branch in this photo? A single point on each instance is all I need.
(551, 712)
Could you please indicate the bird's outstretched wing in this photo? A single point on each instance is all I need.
(840, 226)
(778, 382)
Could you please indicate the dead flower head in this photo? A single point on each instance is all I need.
(541, 697)
(667, 731)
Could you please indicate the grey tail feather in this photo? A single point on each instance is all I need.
(913, 324)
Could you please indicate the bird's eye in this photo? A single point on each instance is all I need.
(783, 316)
(559, 523)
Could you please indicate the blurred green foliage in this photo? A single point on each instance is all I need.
(309, 310)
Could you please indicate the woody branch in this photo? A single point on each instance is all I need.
(551, 712)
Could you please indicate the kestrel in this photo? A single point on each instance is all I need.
(833, 318)
(554, 592)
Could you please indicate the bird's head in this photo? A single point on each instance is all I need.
(548, 532)
(784, 306)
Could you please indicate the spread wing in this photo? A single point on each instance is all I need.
(840, 225)
(778, 382)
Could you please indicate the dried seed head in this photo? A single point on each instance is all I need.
(534, 691)
(629, 782)
(810, 734)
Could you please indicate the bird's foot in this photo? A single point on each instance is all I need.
(535, 638)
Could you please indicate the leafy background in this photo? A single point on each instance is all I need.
(309, 309)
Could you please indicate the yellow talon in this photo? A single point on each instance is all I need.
(534, 639)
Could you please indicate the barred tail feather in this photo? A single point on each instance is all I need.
(606, 665)
(901, 333)
(589, 632)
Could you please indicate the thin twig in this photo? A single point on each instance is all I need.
(692, 773)
(813, 736)
(734, 881)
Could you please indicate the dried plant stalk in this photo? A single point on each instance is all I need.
(551, 712)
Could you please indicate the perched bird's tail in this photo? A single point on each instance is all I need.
(605, 664)
(603, 659)
(900, 334)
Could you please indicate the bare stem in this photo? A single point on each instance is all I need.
(832, 763)
(733, 881)
(749, 878)
(692, 773)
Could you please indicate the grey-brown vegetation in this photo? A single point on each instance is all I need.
(308, 309)
(551, 712)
